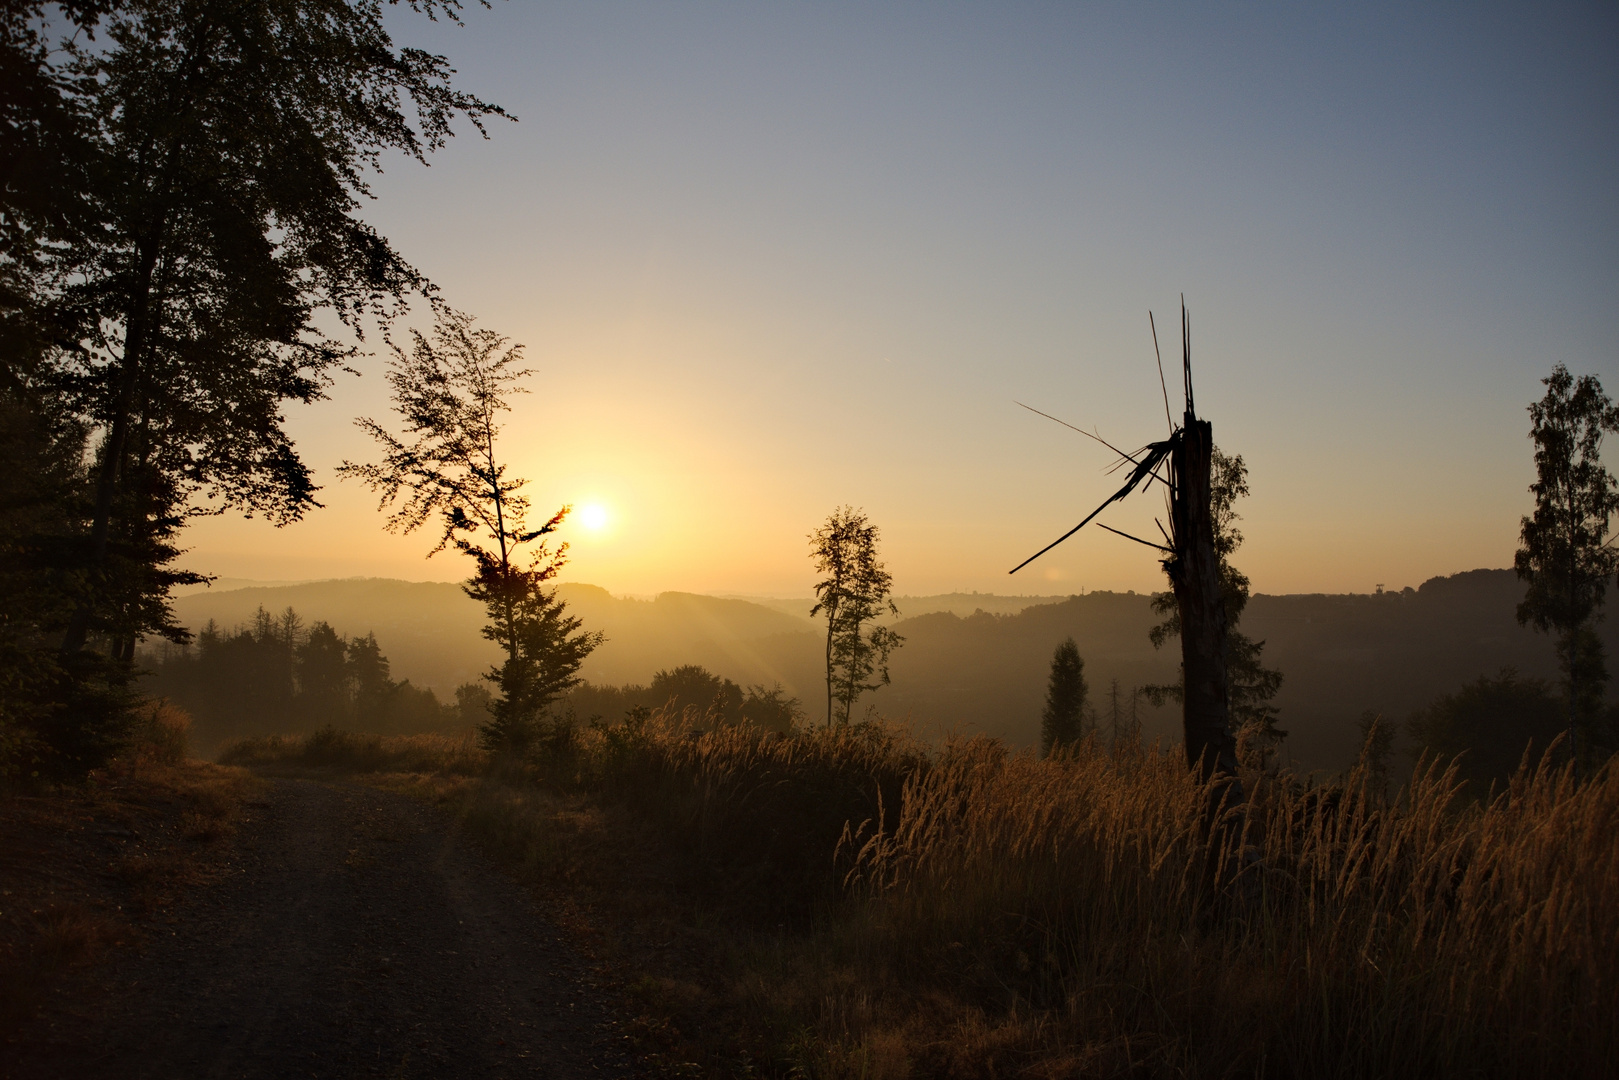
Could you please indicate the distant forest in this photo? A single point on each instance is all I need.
(1393, 653)
(276, 675)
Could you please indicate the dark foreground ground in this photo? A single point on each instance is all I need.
(350, 935)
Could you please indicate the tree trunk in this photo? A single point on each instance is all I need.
(1195, 574)
(831, 623)
(112, 455)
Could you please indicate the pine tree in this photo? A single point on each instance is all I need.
(1062, 721)
(1250, 684)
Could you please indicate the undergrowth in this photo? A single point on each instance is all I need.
(878, 908)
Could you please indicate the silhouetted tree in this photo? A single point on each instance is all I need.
(371, 677)
(178, 222)
(1062, 721)
(1250, 685)
(449, 390)
(472, 704)
(770, 710)
(853, 591)
(1565, 555)
(323, 677)
(1489, 724)
(694, 691)
(271, 676)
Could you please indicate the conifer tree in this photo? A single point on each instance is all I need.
(1250, 684)
(1062, 721)
(449, 390)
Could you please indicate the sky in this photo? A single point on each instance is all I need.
(770, 259)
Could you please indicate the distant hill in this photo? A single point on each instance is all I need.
(1340, 655)
(431, 631)
(977, 668)
(961, 603)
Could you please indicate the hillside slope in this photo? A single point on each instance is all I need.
(1340, 654)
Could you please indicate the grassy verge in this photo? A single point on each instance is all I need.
(852, 904)
(333, 751)
(84, 867)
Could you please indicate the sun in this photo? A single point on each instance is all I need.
(593, 516)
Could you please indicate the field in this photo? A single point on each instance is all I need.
(852, 903)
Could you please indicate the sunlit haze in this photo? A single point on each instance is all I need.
(770, 259)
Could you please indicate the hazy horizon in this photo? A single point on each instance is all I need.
(771, 260)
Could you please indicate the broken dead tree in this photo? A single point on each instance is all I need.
(1193, 567)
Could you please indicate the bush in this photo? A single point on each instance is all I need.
(1488, 725)
(159, 732)
(757, 812)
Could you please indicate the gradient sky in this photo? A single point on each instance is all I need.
(771, 258)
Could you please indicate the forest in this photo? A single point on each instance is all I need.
(515, 824)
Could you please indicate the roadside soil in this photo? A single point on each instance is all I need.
(349, 932)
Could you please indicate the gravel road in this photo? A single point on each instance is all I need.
(351, 935)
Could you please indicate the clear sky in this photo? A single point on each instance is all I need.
(770, 258)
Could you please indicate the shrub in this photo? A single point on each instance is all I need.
(159, 732)
(1488, 725)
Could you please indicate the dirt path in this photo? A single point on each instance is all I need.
(350, 936)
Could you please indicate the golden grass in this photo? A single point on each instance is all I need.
(1315, 935)
(346, 751)
(978, 912)
(853, 904)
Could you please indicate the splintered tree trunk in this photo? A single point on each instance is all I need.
(1195, 573)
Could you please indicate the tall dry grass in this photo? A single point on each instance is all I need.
(899, 910)
(1085, 915)
(1314, 934)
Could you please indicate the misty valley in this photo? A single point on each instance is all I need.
(867, 639)
(972, 664)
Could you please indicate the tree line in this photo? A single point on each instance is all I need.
(275, 674)
(704, 699)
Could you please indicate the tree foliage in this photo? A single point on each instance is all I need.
(180, 194)
(701, 698)
(275, 675)
(450, 389)
(1489, 723)
(1062, 721)
(852, 593)
(1565, 554)
(1251, 685)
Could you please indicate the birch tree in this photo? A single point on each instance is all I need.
(852, 593)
